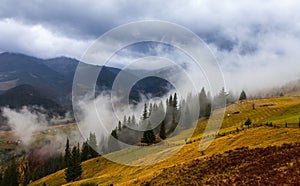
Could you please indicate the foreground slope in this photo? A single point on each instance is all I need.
(273, 165)
(104, 172)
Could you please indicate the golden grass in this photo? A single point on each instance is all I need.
(104, 172)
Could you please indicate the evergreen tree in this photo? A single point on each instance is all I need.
(11, 175)
(124, 121)
(220, 99)
(129, 121)
(207, 110)
(148, 137)
(133, 121)
(170, 100)
(85, 149)
(1, 179)
(150, 109)
(119, 126)
(162, 132)
(114, 133)
(67, 153)
(145, 112)
(74, 169)
(203, 102)
(243, 96)
(248, 122)
(93, 145)
(175, 101)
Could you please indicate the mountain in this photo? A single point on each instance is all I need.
(53, 78)
(26, 95)
(63, 65)
(20, 69)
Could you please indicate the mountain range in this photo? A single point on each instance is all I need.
(52, 79)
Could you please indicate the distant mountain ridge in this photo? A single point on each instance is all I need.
(53, 77)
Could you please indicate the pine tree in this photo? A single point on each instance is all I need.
(1, 179)
(11, 175)
(162, 132)
(148, 137)
(145, 112)
(67, 153)
(150, 109)
(175, 101)
(74, 169)
(85, 151)
(93, 145)
(170, 100)
(203, 102)
(133, 121)
(76, 161)
(129, 121)
(119, 126)
(124, 121)
(114, 133)
(248, 122)
(207, 110)
(243, 96)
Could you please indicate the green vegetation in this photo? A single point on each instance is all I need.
(98, 170)
(243, 96)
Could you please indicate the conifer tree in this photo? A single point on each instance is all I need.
(243, 96)
(10, 177)
(145, 112)
(74, 169)
(93, 145)
(175, 101)
(85, 149)
(133, 121)
(119, 126)
(162, 132)
(148, 136)
(67, 153)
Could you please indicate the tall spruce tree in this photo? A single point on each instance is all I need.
(85, 149)
(74, 169)
(148, 136)
(145, 112)
(67, 157)
(243, 96)
(162, 132)
(93, 145)
(10, 177)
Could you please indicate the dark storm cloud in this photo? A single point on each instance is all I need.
(252, 39)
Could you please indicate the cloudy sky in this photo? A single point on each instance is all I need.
(256, 42)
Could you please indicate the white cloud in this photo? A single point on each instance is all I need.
(253, 40)
(37, 40)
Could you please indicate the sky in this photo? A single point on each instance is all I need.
(256, 42)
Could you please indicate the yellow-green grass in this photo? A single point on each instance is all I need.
(104, 172)
(280, 109)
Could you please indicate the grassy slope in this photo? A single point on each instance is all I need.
(104, 172)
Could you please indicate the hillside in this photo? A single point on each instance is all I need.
(259, 166)
(54, 77)
(276, 110)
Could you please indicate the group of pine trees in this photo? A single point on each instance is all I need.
(73, 162)
(73, 157)
(173, 112)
